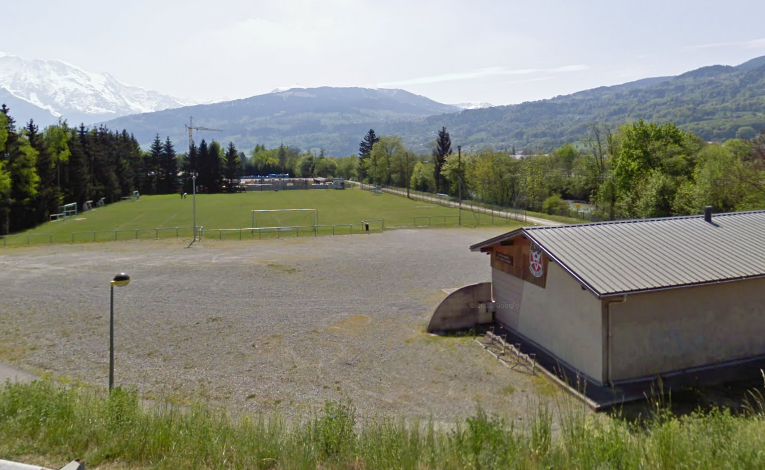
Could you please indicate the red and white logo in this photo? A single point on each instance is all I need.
(535, 261)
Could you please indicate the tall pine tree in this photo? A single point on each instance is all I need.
(216, 167)
(168, 169)
(204, 172)
(6, 123)
(365, 150)
(442, 150)
(282, 157)
(190, 167)
(153, 159)
(233, 168)
(46, 202)
(21, 162)
(5, 177)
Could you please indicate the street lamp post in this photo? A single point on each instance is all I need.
(194, 202)
(459, 183)
(119, 280)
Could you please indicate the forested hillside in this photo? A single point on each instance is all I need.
(314, 118)
(715, 103)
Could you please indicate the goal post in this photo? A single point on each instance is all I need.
(68, 210)
(272, 218)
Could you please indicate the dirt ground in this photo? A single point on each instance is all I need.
(264, 325)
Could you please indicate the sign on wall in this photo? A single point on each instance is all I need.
(535, 261)
(522, 259)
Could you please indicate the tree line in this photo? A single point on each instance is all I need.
(636, 170)
(639, 169)
(41, 170)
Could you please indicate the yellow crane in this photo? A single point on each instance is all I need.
(191, 128)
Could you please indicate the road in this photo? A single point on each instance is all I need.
(435, 200)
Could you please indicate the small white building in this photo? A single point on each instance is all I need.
(621, 302)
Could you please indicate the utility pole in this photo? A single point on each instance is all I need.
(191, 128)
(459, 182)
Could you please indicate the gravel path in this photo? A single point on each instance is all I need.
(262, 325)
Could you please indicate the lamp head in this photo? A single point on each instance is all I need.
(120, 280)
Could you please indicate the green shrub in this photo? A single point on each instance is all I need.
(555, 205)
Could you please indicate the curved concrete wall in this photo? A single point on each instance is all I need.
(459, 310)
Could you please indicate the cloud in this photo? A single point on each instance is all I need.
(480, 73)
(752, 44)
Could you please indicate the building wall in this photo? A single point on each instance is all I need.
(676, 329)
(559, 317)
(507, 292)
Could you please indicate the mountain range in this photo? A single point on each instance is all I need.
(716, 102)
(46, 90)
(309, 118)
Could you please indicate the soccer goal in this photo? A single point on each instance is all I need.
(274, 218)
(67, 210)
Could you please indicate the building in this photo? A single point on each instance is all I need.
(624, 302)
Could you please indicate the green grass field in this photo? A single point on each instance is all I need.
(140, 219)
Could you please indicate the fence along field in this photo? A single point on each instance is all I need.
(229, 216)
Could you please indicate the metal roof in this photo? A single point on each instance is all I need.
(615, 258)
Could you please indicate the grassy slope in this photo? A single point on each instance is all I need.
(216, 211)
(50, 425)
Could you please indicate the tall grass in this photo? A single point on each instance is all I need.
(57, 423)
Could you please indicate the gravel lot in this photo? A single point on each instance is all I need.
(263, 325)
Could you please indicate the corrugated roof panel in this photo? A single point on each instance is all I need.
(621, 257)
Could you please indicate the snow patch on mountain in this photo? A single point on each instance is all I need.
(66, 89)
(280, 89)
(474, 105)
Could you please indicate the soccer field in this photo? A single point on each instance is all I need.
(141, 218)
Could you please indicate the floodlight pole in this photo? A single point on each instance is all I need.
(459, 183)
(194, 202)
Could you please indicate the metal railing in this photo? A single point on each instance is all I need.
(431, 217)
(134, 234)
(289, 230)
(28, 238)
(92, 236)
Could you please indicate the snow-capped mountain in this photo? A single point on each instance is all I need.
(281, 89)
(474, 105)
(47, 90)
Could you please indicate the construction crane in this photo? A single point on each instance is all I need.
(191, 128)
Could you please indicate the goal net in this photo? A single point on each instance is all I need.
(67, 210)
(273, 218)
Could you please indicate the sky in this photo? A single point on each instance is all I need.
(501, 52)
